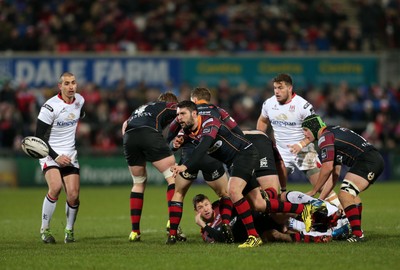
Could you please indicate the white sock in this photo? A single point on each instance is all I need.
(298, 197)
(48, 208)
(71, 212)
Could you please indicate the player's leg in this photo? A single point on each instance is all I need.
(54, 183)
(270, 184)
(220, 187)
(72, 187)
(163, 166)
(139, 180)
(175, 207)
(364, 172)
(349, 197)
(216, 177)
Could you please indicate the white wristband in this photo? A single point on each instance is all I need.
(299, 144)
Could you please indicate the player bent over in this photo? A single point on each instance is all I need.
(339, 145)
(143, 141)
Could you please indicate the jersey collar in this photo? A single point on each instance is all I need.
(60, 97)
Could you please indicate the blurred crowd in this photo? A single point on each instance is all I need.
(205, 26)
(372, 111)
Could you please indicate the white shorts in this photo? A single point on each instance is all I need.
(49, 162)
(303, 161)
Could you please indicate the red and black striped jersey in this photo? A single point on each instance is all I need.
(216, 139)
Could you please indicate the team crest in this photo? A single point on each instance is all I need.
(70, 116)
(371, 176)
(282, 117)
(292, 108)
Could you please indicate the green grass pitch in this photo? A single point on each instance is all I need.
(103, 226)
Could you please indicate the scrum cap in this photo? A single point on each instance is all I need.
(314, 123)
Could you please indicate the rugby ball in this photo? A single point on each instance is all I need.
(35, 147)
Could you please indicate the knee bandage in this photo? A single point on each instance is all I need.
(139, 179)
(167, 173)
(350, 188)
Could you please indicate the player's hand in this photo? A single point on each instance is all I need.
(177, 169)
(295, 148)
(199, 221)
(177, 142)
(63, 160)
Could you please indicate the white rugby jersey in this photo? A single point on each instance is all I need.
(286, 120)
(64, 119)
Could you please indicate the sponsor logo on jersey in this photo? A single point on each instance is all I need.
(69, 121)
(215, 147)
(339, 159)
(283, 123)
(264, 163)
(140, 112)
(215, 174)
(206, 130)
(281, 120)
(306, 105)
(47, 106)
(324, 154)
(371, 176)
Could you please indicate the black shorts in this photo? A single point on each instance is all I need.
(144, 144)
(369, 165)
(251, 184)
(211, 168)
(244, 163)
(266, 154)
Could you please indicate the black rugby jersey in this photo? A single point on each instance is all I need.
(155, 115)
(342, 145)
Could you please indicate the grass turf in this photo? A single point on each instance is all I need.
(103, 226)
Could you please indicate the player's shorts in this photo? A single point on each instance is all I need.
(251, 184)
(368, 165)
(48, 162)
(304, 161)
(144, 144)
(211, 168)
(266, 153)
(244, 163)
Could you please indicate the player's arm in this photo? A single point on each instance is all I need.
(324, 173)
(209, 233)
(124, 125)
(197, 154)
(296, 148)
(230, 122)
(262, 123)
(330, 184)
(42, 131)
